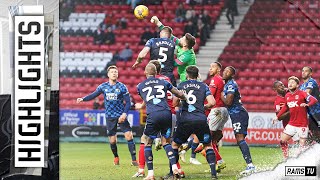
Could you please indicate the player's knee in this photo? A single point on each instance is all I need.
(128, 135)
(148, 141)
(207, 146)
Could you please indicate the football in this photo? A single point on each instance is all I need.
(141, 12)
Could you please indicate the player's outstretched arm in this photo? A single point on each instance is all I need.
(178, 93)
(155, 20)
(89, 97)
(79, 100)
(143, 53)
(211, 102)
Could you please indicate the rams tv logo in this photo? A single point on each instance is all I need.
(29, 91)
(300, 170)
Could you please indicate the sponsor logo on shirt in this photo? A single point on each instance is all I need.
(111, 96)
(292, 104)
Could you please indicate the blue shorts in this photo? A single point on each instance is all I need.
(158, 122)
(184, 129)
(240, 122)
(112, 126)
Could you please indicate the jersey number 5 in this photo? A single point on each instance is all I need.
(162, 52)
(160, 92)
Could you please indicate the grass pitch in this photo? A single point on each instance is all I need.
(95, 161)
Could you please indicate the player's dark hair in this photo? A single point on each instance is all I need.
(233, 70)
(112, 67)
(168, 29)
(192, 71)
(275, 83)
(219, 64)
(294, 78)
(310, 69)
(191, 40)
(157, 64)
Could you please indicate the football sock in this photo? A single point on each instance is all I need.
(142, 161)
(114, 149)
(284, 148)
(245, 151)
(148, 157)
(189, 144)
(132, 149)
(193, 147)
(211, 159)
(216, 152)
(170, 153)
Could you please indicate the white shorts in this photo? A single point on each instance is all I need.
(217, 118)
(301, 132)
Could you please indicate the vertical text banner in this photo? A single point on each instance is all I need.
(29, 91)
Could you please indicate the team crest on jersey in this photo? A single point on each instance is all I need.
(212, 82)
(230, 88)
(296, 97)
(117, 90)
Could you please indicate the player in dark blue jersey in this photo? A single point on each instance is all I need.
(161, 49)
(153, 91)
(311, 86)
(115, 93)
(192, 118)
(239, 116)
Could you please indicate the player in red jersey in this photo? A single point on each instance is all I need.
(218, 115)
(142, 161)
(296, 102)
(280, 101)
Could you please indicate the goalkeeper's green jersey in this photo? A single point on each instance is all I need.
(184, 58)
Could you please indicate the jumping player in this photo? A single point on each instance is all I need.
(115, 93)
(161, 49)
(296, 101)
(185, 53)
(239, 116)
(193, 119)
(159, 118)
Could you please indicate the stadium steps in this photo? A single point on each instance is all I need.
(220, 37)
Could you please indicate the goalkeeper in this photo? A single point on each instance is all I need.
(184, 50)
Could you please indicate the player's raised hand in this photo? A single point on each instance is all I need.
(135, 64)
(154, 19)
(79, 100)
(303, 105)
(122, 118)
